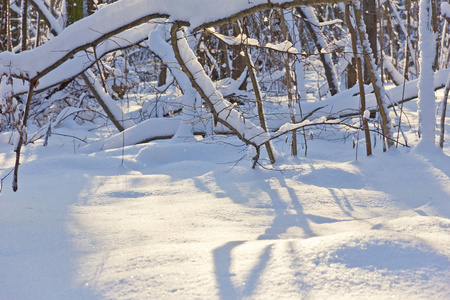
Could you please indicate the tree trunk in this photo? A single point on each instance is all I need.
(259, 103)
(360, 80)
(238, 64)
(24, 25)
(444, 112)
(287, 75)
(4, 8)
(375, 78)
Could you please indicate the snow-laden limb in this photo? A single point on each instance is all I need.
(149, 130)
(158, 45)
(242, 39)
(346, 104)
(288, 127)
(89, 32)
(120, 119)
(83, 60)
(395, 75)
(319, 39)
(427, 103)
(411, 90)
(285, 46)
(126, 14)
(127, 38)
(53, 24)
(222, 110)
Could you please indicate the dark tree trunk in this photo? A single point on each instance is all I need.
(24, 25)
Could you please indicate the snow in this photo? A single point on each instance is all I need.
(178, 220)
(120, 14)
(233, 41)
(126, 217)
(285, 46)
(425, 84)
(445, 9)
(252, 133)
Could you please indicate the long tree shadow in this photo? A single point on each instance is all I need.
(288, 213)
(223, 261)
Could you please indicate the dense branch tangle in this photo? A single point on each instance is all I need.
(59, 59)
(59, 55)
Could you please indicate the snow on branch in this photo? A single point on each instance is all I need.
(242, 39)
(223, 111)
(288, 127)
(54, 26)
(126, 14)
(83, 60)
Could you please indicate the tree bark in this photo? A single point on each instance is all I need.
(24, 25)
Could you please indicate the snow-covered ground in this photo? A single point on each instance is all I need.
(178, 219)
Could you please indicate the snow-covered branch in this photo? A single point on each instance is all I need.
(126, 14)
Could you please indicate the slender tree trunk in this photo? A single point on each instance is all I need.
(238, 64)
(259, 103)
(408, 29)
(287, 67)
(23, 136)
(444, 112)
(4, 25)
(435, 29)
(24, 25)
(375, 78)
(360, 80)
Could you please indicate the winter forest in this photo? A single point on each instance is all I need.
(212, 149)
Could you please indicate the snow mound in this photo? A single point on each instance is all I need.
(163, 153)
(390, 254)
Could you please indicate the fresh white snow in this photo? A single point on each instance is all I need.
(188, 218)
(173, 220)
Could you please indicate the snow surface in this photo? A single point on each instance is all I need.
(183, 219)
(178, 220)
